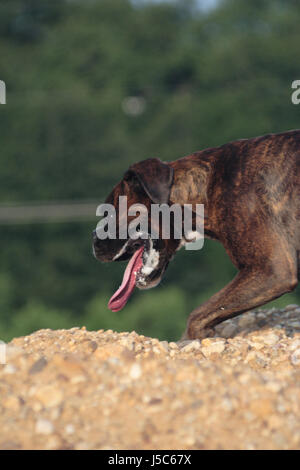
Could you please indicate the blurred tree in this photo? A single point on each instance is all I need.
(24, 20)
(204, 78)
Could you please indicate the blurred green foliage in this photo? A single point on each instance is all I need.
(205, 78)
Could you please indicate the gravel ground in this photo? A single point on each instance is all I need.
(78, 389)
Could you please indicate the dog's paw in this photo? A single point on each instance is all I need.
(186, 338)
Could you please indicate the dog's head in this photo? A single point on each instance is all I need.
(147, 182)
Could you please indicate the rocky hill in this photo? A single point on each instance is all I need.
(78, 389)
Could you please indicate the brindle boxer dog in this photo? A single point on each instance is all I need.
(250, 189)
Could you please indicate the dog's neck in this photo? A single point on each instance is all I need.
(192, 176)
(192, 180)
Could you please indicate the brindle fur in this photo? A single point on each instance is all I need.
(250, 189)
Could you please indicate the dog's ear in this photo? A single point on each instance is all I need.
(155, 177)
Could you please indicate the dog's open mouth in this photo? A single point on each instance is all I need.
(121, 296)
(139, 271)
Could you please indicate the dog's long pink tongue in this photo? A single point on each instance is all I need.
(120, 297)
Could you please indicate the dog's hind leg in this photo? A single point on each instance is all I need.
(264, 280)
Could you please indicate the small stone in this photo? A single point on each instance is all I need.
(55, 413)
(215, 347)
(206, 342)
(272, 310)
(11, 403)
(69, 429)
(295, 357)
(295, 324)
(135, 371)
(138, 347)
(173, 345)
(270, 339)
(13, 351)
(146, 398)
(183, 343)
(44, 426)
(93, 345)
(154, 401)
(246, 319)
(261, 360)
(190, 441)
(9, 369)
(38, 366)
(294, 345)
(250, 356)
(191, 346)
(255, 345)
(164, 345)
(244, 378)
(274, 386)
(79, 378)
(127, 355)
(227, 404)
(49, 395)
(290, 307)
(228, 330)
(279, 440)
(128, 343)
(257, 338)
(261, 408)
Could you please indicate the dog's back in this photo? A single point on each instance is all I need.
(261, 174)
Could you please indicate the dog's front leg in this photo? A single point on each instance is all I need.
(249, 289)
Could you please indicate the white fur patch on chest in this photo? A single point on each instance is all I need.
(151, 263)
